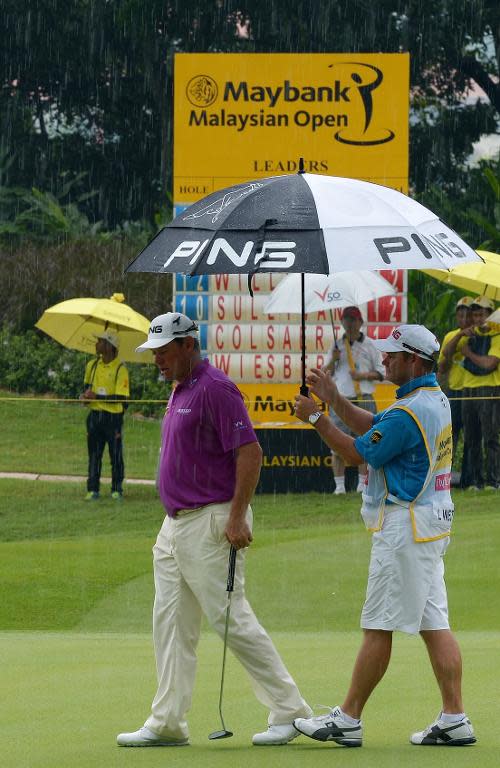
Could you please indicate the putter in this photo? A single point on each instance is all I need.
(224, 733)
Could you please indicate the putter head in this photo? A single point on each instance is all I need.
(220, 735)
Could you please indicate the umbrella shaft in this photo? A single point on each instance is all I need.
(303, 388)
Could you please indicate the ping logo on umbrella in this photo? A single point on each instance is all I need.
(275, 254)
(438, 244)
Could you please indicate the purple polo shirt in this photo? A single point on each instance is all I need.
(206, 421)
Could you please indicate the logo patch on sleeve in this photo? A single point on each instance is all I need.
(376, 436)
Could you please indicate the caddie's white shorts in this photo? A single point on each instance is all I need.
(406, 589)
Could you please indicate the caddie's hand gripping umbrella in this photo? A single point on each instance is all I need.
(303, 223)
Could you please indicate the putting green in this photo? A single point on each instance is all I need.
(83, 573)
(66, 695)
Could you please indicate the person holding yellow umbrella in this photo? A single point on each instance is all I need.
(106, 390)
(106, 326)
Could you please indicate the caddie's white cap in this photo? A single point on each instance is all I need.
(166, 328)
(111, 338)
(410, 338)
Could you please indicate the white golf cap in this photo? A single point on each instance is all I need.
(166, 328)
(111, 338)
(410, 338)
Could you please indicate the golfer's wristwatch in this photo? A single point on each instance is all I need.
(313, 418)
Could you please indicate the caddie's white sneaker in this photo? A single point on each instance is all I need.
(331, 727)
(146, 738)
(275, 734)
(442, 734)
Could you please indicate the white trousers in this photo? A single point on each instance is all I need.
(406, 589)
(190, 570)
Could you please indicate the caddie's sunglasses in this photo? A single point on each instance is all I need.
(418, 352)
(192, 327)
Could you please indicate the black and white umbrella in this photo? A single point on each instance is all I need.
(303, 223)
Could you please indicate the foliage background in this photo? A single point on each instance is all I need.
(33, 363)
(86, 128)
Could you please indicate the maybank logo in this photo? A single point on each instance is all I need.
(202, 91)
(352, 95)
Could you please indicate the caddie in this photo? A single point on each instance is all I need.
(408, 507)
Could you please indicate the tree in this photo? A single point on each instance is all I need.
(87, 85)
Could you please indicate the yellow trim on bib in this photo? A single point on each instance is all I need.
(416, 538)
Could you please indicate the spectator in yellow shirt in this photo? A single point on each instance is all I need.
(106, 390)
(480, 346)
(451, 374)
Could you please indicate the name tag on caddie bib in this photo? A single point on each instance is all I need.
(444, 515)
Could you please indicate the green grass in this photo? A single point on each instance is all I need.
(86, 569)
(78, 576)
(45, 436)
(66, 696)
(88, 565)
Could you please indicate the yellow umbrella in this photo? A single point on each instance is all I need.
(75, 324)
(477, 278)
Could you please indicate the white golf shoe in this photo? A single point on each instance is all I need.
(146, 738)
(443, 734)
(331, 727)
(275, 734)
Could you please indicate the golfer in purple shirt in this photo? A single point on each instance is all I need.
(209, 467)
(208, 408)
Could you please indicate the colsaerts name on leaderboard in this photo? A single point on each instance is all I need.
(203, 92)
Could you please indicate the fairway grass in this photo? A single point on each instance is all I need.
(47, 436)
(77, 661)
(65, 696)
(69, 564)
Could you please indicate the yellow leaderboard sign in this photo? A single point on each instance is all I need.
(244, 116)
(271, 406)
(240, 117)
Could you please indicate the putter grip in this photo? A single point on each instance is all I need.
(231, 567)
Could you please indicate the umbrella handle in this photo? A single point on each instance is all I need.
(303, 388)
